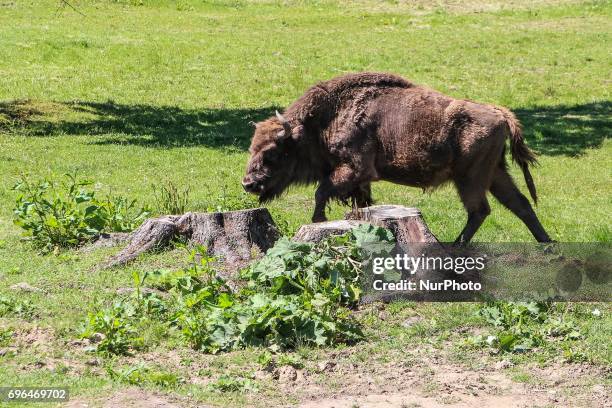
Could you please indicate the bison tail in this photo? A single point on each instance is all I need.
(521, 154)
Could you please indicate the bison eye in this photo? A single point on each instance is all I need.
(270, 156)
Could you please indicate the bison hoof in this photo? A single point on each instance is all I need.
(319, 218)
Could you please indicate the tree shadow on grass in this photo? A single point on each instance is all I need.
(566, 130)
(141, 125)
(562, 130)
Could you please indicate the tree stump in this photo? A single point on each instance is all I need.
(413, 238)
(321, 230)
(406, 224)
(234, 237)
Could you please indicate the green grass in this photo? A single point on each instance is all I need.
(132, 96)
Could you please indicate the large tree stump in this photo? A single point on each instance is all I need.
(413, 238)
(321, 230)
(234, 237)
(406, 224)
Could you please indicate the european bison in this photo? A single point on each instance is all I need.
(354, 129)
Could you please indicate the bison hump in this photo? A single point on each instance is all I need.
(321, 103)
(364, 79)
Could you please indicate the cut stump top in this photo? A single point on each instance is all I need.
(321, 230)
(387, 212)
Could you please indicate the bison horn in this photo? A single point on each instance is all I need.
(286, 126)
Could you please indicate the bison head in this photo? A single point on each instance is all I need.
(273, 159)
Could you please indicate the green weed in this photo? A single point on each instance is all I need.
(68, 213)
(6, 335)
(141, 375)
(267, 360)
(112, 330)
(298, 294)
(170, 199)
(10, 307)
(227, 383)
(524, 326)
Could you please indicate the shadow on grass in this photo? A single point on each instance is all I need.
(142, 125)
(550, 130)
(566, 130)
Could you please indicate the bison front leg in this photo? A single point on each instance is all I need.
(322, 196)
(340, 184)
(362, 196)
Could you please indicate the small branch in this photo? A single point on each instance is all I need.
(64, 3)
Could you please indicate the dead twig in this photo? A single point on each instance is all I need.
(64, 3)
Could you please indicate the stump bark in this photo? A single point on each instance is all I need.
(234, 237)
(414, 239)
(411, 233)
(406, 224)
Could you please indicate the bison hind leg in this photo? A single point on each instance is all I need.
(477, 211)
(508, 194)
(472, 190)
(475, 175)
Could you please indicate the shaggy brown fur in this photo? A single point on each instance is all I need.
(349, 131)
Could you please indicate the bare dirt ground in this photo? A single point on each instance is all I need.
(443, 384)
(421, 377)
(429, 383)
(451, 386)
(130, 398)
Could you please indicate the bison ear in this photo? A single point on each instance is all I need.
(286, 132)
(297, 132)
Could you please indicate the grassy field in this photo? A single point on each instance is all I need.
(134, 93)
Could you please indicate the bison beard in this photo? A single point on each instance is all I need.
(269, 195)
(355, 129)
